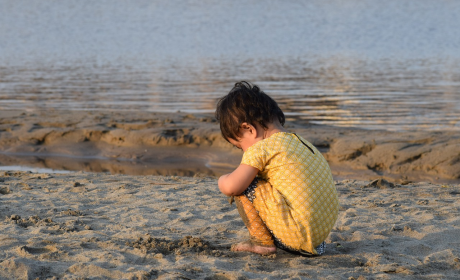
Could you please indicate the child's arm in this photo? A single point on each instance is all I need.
(238, 181)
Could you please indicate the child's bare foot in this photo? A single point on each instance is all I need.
(248, 246)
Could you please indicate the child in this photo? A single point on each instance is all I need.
(283, 187)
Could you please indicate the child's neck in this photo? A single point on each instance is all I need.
(273, 128)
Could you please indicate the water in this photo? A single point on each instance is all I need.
(31, 169)
(390, 65)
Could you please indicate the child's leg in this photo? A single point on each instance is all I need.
(261, 238)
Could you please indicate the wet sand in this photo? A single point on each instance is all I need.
(101, 226)
(141, 143)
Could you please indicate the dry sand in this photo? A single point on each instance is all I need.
(101, 226)
(87, 225)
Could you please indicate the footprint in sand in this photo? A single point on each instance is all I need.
(5, 190)
(26, 251)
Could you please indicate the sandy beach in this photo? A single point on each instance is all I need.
(118, 219)
(100, 226)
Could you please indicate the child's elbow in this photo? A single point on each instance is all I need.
(226, 187)
(228, 192)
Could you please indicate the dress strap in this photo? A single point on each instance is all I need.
(304, 143)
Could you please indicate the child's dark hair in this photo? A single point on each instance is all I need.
(246, 103)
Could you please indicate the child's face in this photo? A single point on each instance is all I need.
(248, 137)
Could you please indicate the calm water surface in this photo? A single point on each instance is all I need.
(390, 65)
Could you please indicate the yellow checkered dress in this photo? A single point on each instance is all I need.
(295, 194)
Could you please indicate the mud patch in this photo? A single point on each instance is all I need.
(30, 221)
(380, 184)
(70, 212)
(187, 244)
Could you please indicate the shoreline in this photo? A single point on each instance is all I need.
(182, 144)
(81, 225)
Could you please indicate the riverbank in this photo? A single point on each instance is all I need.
(105, 224)
(142, 143)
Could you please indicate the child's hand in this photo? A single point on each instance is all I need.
(238, 181)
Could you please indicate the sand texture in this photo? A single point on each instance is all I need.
(142, 143)
(399, 220)
(101, 226)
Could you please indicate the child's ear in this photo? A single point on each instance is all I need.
(249, 127)
(245, 125)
